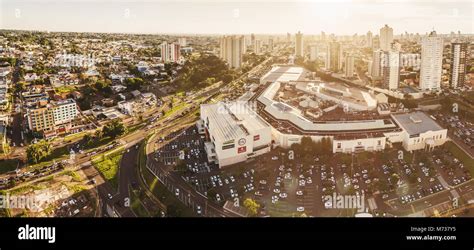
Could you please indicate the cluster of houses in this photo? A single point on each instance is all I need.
(52, 76)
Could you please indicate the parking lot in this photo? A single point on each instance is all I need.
(293, 187)
(463, 130)
(184, 148)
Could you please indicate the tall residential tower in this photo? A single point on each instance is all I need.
(458, 64)
(431, 62)
(231, 50)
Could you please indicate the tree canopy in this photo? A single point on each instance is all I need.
(38, 151)
(196, 72)
(252, 206)
(114, 129)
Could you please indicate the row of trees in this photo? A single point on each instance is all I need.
(41, 150)
(112, 130)
(310, 147)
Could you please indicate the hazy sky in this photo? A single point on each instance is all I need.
(238, 16)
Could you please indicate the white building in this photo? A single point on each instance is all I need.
(386, 37)
(459, 54)
(283, 74)
(257, 48)
(391, 69)
(431, 62)
(313, 56)
(126, 107)
(175, 52)
(334, 57)
(299, 48)
(170, 52)
(349, 66)
(270, 45)
(376, 67)
(64, 111)
(358, 144)
(420, 131)
(410, 60)
(234, 132)
(369, 41)
(49, 117)
(231, 50)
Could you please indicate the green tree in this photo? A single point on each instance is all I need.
(38, 151)
(252, 206)
(114, 129)
(20, 87)
(227, 78)
(134, 83)
(103, 86)
(394, 179)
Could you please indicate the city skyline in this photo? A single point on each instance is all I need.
(243, 17)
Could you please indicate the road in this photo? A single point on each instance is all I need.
(127, 176)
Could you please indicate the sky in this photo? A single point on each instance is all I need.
(341, 17)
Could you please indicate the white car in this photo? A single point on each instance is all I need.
(274, 199)
(110, 196)
(276, 191)
(275, 158)
(300, 209)
(176, 192)
(218, 197)
(299, 193)
(283, 195)
(198, 208)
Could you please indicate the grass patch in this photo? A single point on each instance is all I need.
(58, 153)
(133, 128)
(64, 89)
(75, 176)
(175, 109)
(8, 165)
(461, 155)
(26, 189)
(137, 206)
(77, 188)
(98, 143)
(72, 137)
(108, 165)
